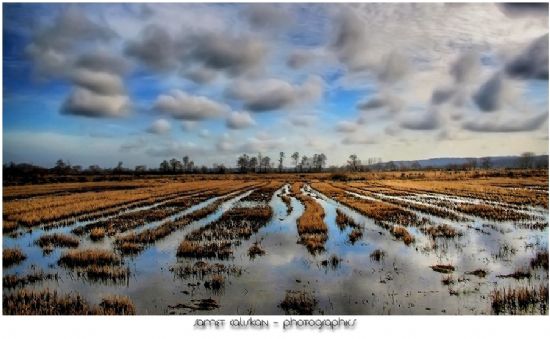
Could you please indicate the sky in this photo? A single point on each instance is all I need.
(139, 83)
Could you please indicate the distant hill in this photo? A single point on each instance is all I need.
(496, 162)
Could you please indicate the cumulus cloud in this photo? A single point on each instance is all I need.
(183, 106)
(154, 48)
(350, 43)
(506, 125)
(358, 139)
(299, 59)
(532, 63)
(83, 102)
(303, 120)
(51, 47)
(232, 54)
(384, 100)
(239, 120)
(102, 61)
(266, 15)
(99, 82)
(175, 149)
(273, 94)
(160, 126)
(492, 94)
(425, 122)
(346, 126)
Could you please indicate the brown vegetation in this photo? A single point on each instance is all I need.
(298, 303)
(443, 268)
(524, 300)
(12, 256)
(57, 240)
(87, 257)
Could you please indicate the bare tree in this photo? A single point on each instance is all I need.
(281, 157)
(243, 163)
(353, 162)
(526, 160)
(296, 157)
(486, 162)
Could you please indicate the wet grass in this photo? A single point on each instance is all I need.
(87, 257)
(213, 249)
(47, 241)
(117, 305)
(441, 268)
(255, 250)
(480, 273)
(355, 235)
(520, 300)
(201, 269)
(105, 273)
(216, 282)
(440, 231)
(377, 255)
(46, 302)
(12, 256)
(11, 281)
(401, 233)
(298, 303)
(518, 274)
(208, 304)
(97, 233)
(333, 262)
(540, 260)
(312, 229)
(448, 280)
(288, 202)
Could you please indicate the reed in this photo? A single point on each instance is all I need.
(57, 240)
(12, 256)
(298, 303)
(520, 300)
(87, 257)
(117, 305)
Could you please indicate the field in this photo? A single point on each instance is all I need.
(432, 242)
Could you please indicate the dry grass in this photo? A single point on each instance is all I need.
(217, 282)
(298, 303)
(311, 225)
(57, 240)
(97, 233)
(401, 232)
(214, 249)
(105, 273)
(87, 257)
(12, 256)
(355, 235)
(521, 300)
(288, 202)
(117, 305)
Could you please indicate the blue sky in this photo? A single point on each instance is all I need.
(139, 83)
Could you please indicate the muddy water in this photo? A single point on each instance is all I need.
(401, 283)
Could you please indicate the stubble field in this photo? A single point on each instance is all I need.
(375, 243)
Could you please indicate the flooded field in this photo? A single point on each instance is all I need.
(284, 244)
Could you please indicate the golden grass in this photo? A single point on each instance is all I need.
(87, 257)
(57, 240)
(12, 256)
(311, 225)
(45, 209)
(97, 233)
(401, 232)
